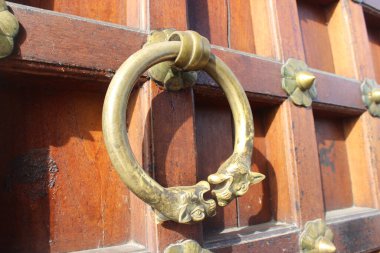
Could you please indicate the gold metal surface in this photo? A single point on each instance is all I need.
(298, 82)
(317, 238)
(9, 27)
(183, 204)
(166, 74)
(371, 96)
(188, 246)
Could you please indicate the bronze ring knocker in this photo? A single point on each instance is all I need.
(183, 204)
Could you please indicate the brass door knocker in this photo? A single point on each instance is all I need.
(183, 204)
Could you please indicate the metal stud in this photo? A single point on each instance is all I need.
(298, 82)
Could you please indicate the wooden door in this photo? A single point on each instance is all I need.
(59, 192)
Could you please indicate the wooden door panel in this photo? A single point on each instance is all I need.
(214, 145)
(333, 162)
(320, 162)
(61, 187)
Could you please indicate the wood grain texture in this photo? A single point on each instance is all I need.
(341, 39)
(288, 33)
(334, 164)
(173, 130)
(168, 14)
(315, 36)
(302, 162)
(255, 206)
(360, 43)
(60, 41)
(356, 232)
(258, 76)
(173, 133)
(210, 19)
(214, 136)
(251, 28)
(362, 144)
(114, 11)
(282, 188)
(63, 193)
(374, 41)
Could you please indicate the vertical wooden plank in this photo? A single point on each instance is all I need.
(302, 192)
(173, 133)
(288, 32)
(173, 129)
(315, 36)
(294, 171)
(210, 19)
(61, 182)
(255, 207)
(374, 41)
(362, 140)
(250, 27)
(139, 135)
(304, 154)
(214, 136)
(360, 44)
(168, 14)
(341, 39)
(363, 145)
(334, 164)
(282, 185)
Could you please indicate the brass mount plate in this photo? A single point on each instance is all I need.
(9, 27)
(298, 82)
(371, 96)
(317, 238)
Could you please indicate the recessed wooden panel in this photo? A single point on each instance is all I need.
(334, 165)
(250, 27)
(210, 19)
(255, 206)
(327, 36)
(373, 29)
(315, 35)
(58, 190)
(214, 145)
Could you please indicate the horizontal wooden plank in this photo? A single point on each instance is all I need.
(355, 229)
(53, 43)
(280, 237)
(56, 48)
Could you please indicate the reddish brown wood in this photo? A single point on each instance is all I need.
(281, 186)
(59, 43)
(255, 206)
(287, 36)
(280, 238)
(90, 63)
(114, 11)
(62, 194)
(173, 131)
(168, 14)
(374, 40)
(333, 161)
(358, 232)
(360, 43)
(250, 27)
(214, 146)
(315, 36)
(209, 18)
(362, 144)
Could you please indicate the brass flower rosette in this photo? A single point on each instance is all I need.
(184, 204)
